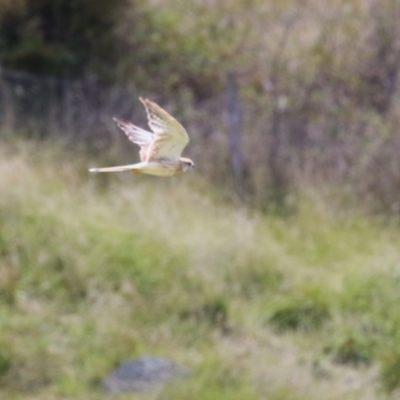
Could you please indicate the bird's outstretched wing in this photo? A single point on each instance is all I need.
(137, 135)
(170, 136)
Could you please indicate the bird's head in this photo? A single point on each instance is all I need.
(187, 164)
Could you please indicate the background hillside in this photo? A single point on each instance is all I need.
(273, 270)
(95, 270)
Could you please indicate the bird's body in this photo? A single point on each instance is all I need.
(160, 150)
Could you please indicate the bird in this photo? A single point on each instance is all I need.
(161, 149)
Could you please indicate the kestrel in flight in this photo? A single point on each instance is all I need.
(160, 150)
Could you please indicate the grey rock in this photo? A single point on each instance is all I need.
(142, 374)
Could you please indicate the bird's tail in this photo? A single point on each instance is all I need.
(134, 167)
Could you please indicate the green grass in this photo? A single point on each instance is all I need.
(97, 269)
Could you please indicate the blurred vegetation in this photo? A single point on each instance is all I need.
(117, 41)
(292, 293)
(317, 81)
(61, 38)
(95, 271)
(352, 50)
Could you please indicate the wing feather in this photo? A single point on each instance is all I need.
(137, 135)
(170, 136)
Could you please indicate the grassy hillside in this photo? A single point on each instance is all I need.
(98, 269)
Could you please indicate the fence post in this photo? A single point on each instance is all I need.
(234, 117)
(7, 113)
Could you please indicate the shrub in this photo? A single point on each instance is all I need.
(303, 313)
